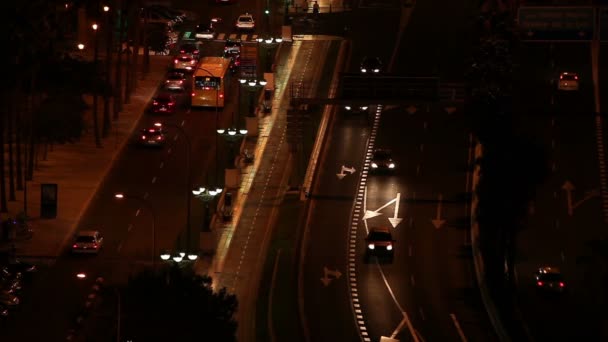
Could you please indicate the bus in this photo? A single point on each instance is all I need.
(210, 82)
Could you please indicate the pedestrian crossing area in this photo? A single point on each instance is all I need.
(250, 37)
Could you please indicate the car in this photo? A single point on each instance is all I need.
(549, 279)
(163, 103)
(382, 160)
(379, 242)
(175, 81)
(87, 241)
(192, 49)
(205, 31)
(568, 81)
(154, 136)
(9, 300)
(245, 22)
(184, 62)
(3, 311)
(371, 65)
(235, 60)
(356, 109)
(232, 47)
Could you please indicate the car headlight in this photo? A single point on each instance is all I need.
(371, 246)
(389, 247)
(363, 70)
(374, 165)
(376, 70)
(347, 107)
(391, 165)
(364, 108)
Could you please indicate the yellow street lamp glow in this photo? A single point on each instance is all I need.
(94, 26)
(106, 8)
(80, 46)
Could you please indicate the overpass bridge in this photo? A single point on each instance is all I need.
(361, 89)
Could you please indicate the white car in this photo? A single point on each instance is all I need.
(87, 241)
(204, 31)
(245, 22)
(175, 81)
(184, 62)
(568, 81)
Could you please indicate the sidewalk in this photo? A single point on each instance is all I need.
(78, 170)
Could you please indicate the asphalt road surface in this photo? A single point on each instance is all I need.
(562, 220)
(430, 280)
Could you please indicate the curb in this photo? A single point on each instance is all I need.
(488, 303)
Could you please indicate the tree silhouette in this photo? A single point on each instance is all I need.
(177, 305)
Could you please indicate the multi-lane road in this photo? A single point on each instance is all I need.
(567, 212)
(428, 292)
(158, 177)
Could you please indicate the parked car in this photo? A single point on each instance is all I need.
(175, 81)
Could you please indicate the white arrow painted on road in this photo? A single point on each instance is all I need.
(438, 222)
(327, 273)
(396, 220)
(369, 213)
(568, 187)
(344, 170)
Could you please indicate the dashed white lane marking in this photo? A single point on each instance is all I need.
(146, 195)
(162, 164)
(458, 328)
(412, 280)
(130, 227)
(153, 179)
(421, 313)
(137, 212)
(599, 135)
(169, 150)
(175, 137)
(183, 123)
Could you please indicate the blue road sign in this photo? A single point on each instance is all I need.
(556, 23)
(603, 24)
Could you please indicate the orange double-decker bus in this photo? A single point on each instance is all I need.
(210, 82)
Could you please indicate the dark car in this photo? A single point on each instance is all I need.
(382, 161)
(154, 136)
(163, 104)
(380, 243)
(191, 49)
(356, 109)
(549, 279)
(235, 60)
(371, 65)
(232, 47)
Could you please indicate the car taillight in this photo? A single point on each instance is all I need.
(143, 137)
(159, 137)
(539, 283)
(167, 81)
(74, 246)
(576, 77)
(192, 61)
(221, 96)
(95, 246)
(180, 82)
(192, 94)
(175, 61)
(171, 104)
(155, 102)
(182, 51)
(561, 284)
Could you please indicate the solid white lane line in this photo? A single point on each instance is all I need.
(458, 328)
(162, 164)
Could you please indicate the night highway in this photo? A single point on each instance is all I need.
(158, 177)
(429, 291)
(567, 213)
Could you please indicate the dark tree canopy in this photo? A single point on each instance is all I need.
(176, 305)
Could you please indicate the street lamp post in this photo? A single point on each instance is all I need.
(188, 180)
(206, 195)
(96, 90)
(231, 135)
(147, 205)
(107, 122)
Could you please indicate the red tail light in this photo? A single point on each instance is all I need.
(181, 82)
(175, 61)
(182, 51)
(143, 137)
(95, 246)
(192, 61)
(74, 246)
(159, 137)
(221, 96)
(539, 283)
(576, 77)
(171, 104)
(561, 77)
(561, 284)
(155, 102)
